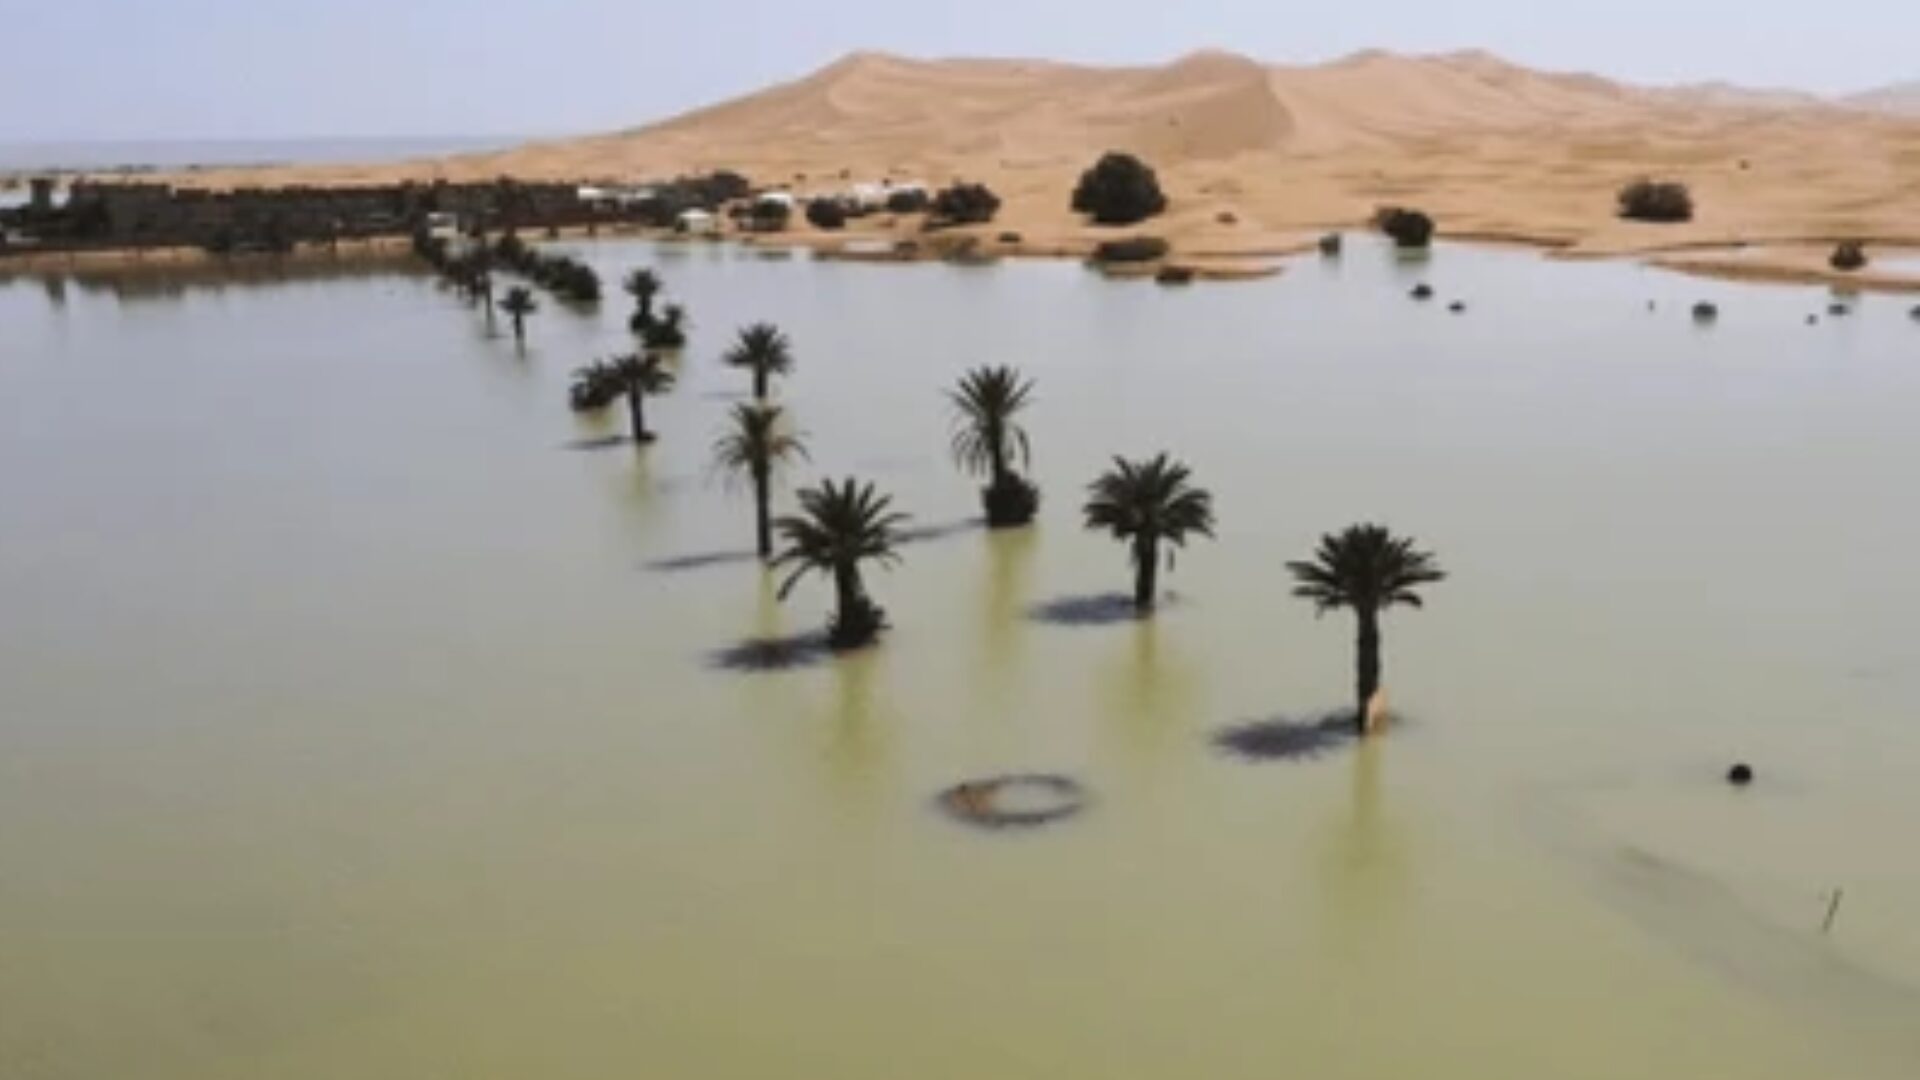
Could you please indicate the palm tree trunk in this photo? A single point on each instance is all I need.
(1146, 572)
(519, 328)
(760, 384)
(636, 402)
(1366, 661)
(763, 513)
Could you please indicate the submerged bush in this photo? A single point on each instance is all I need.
(966, 204)
(1656, 200)
(1850, 255)
(1119, 189)
(1132, 249)
(1409, 228)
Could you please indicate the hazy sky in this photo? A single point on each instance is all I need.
(122, 69)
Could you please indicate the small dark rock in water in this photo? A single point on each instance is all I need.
(1740, 775)
(1457, 306)
(1811, 319)
(1422, 291)
(1705, 312)
(1838, 308)
(1331, 244)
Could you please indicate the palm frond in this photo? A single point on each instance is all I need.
(1367, 568)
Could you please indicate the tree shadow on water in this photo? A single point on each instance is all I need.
(700, 561)
(761, 654)
(921, 534)
(604, 442)
(1283, 738)
(1094, 609)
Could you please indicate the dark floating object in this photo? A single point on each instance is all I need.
(1915, 313)
(1174, 275)
(1022, 800)
(1837, 308)
(1457, 307)
(1331, 244)
(1812, 319)
(1705, 312)
(1651, 305)
(1422, 291)
(1740, 775)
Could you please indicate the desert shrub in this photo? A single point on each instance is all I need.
(1656, 200)
(907, 201)
(827, 214)
(1119, 189)
(1009, 237)
(1409, 228)
(1174, 275)
(1848, 256)
(1331, 244)
(966, 204)
(1131, 249)
(769, 215)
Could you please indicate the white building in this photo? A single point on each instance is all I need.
(696, 223)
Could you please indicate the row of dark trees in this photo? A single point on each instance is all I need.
(1151, 505)
(562, 275)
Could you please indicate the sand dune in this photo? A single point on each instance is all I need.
(1491, 148)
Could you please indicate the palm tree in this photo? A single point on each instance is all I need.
(755, 444)
(987, 436)
(519, 303)
(838, 528)
(764, 350)
(643, 285)
(640, 376)
(1144, 503)
(1368, 569)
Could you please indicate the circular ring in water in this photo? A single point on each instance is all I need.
(1022, 800)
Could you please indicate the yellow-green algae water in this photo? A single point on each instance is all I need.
(347, 731)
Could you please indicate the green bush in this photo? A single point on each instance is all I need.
(828, 214)
(1657, 201)
(1409, 228)
(1119, 189)
(1848, 256)
(966, 204)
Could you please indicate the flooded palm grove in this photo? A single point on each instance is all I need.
(368, 713)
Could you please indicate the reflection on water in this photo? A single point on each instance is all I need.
(354, 727)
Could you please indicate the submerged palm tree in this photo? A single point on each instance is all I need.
(1368, 569)
(641, 376)
(756, 443)
(987, 436)
(666, 332)
(763, 350)
(643, 285)
(838, 528)
(1144, 503)
(519, 303)
(602, 382)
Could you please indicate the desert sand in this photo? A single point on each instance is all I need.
(1255, 157)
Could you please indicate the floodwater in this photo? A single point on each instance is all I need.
(357, 721)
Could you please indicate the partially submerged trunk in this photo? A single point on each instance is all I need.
(636, 409)
(1146, 572)
(760, 383)
(763, 512)
(1366, 662)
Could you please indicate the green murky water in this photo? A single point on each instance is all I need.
(346, 732)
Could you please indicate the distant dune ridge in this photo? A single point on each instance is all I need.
(1492, 149)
